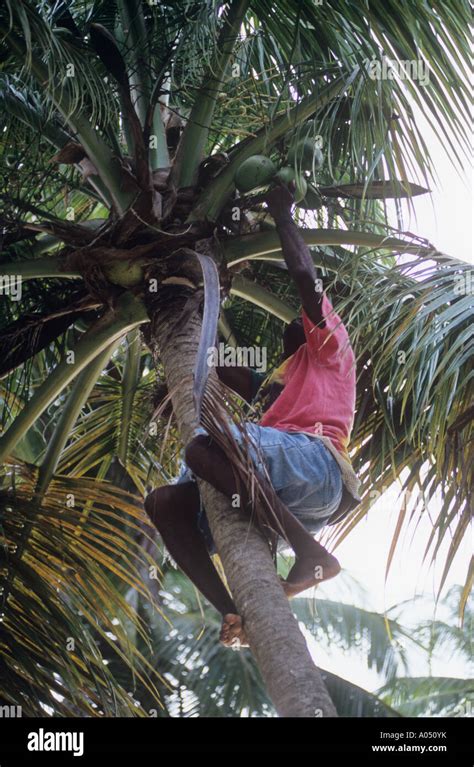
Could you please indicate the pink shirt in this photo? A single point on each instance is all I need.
(320, 383)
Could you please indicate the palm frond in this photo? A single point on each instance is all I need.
(381, 638)
(430, 696)
(65, 564)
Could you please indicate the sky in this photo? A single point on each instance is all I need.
(445, 219)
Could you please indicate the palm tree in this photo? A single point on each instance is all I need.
(209, 681)
(431, 694)
(121, 209)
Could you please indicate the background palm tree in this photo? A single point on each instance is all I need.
(125, 124)
(211, 682)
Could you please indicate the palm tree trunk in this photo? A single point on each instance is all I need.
(292, 680)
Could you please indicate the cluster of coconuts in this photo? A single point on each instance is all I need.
(259, 171)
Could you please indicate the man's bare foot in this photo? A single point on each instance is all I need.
(232, 632)
(310, 571)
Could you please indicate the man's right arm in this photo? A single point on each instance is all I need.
(296, 253)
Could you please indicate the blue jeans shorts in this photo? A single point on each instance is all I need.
(303, 472)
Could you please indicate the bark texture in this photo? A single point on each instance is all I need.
(293, 682)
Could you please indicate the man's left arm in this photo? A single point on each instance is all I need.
(296, 254)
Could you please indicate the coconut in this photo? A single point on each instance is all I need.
(301, 154)
(286, 175)
(254, 172)
(126, 273)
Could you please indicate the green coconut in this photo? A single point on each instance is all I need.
(301, 154)
(126, 273)
(286, 175)
(254, 172)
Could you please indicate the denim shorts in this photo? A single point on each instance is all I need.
(303, 472)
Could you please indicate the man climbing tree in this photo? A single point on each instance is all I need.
(299, 445)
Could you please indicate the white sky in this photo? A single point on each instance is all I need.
(445, 217)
